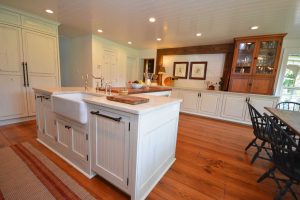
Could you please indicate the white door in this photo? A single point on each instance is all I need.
(64, 138)
(110, 144)
(13, 96)
(132, 69)
(110, 70)
(234, 107)
(38, 81)
(39, 115)
(209, 103)
(79, 143)
(11, 55)
(259, 103)
(49, 120)
(40, 53)
(190, 100)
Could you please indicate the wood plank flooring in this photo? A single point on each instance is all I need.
(211, 163)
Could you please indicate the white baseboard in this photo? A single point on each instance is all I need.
(16, 120)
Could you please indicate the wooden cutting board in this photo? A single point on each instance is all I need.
(132, 100)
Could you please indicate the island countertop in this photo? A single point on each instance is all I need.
(99, 98)
(92, 91)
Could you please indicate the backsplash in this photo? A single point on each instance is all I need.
(215, 65)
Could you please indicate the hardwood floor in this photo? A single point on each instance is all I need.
(211, 163)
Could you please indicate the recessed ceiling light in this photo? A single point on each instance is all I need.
(152, 19)
(158, 39)
(49, 11)
(100, 31)
(198, 34)
(129, 42)
(254, 27)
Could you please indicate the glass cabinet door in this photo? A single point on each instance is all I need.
(244, 57)
(266, 57)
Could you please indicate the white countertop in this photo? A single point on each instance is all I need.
(155, 102)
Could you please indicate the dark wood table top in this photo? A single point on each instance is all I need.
(290, 118)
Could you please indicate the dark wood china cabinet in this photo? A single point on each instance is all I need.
(255, 63)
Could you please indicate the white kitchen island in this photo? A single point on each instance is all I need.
(131, 146)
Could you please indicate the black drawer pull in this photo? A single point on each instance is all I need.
(46, 98)
(68, 127)
(117, 119)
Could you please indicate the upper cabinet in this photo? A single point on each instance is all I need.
(255, 63)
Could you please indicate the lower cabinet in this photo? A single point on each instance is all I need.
(206, 103)
(234, 107)
(209, 103)
(69, 139)
(110, 146)
(190, 100)
(72, 140)
(223, 105)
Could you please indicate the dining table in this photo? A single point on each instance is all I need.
(290, 118)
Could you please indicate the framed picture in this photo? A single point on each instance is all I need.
(180, 69)
(198, 70)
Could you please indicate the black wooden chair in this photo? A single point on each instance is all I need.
(286, 158)
(259, 126)
(288, 105)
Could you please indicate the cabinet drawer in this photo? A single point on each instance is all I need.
(39, 25)
(8, 17)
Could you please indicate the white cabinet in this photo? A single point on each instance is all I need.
(11, 55)
(13, 97)
(110, 146)
(110, 69)
(190, 100)
(28, 58)
(46, 119)
(209, 103)
(40, 53)
(234, 107)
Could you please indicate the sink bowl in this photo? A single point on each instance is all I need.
(71, 106)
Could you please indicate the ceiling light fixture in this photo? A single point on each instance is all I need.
(158, 39)
(129, 42)
(49, 11)
(152, 19)
(254, 27)
(199, 34)
(100, 31)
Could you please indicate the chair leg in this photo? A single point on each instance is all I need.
(266, 174)
(250, 144)
(259, 148)
(284, 190)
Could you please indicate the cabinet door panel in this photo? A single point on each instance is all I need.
(209, 103)
(239, 84)
(13, 97)
(40, 53)
(79, 145)
(64, 136)
(11, 55)
(110, 142)
(190, 101)
(262, 85)
(38, 81)
(49, 120)
(234, 107)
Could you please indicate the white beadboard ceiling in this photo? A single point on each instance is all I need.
(177, 21)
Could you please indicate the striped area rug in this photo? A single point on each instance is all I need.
(25, 173)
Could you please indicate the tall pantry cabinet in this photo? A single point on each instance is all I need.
(29, 57)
